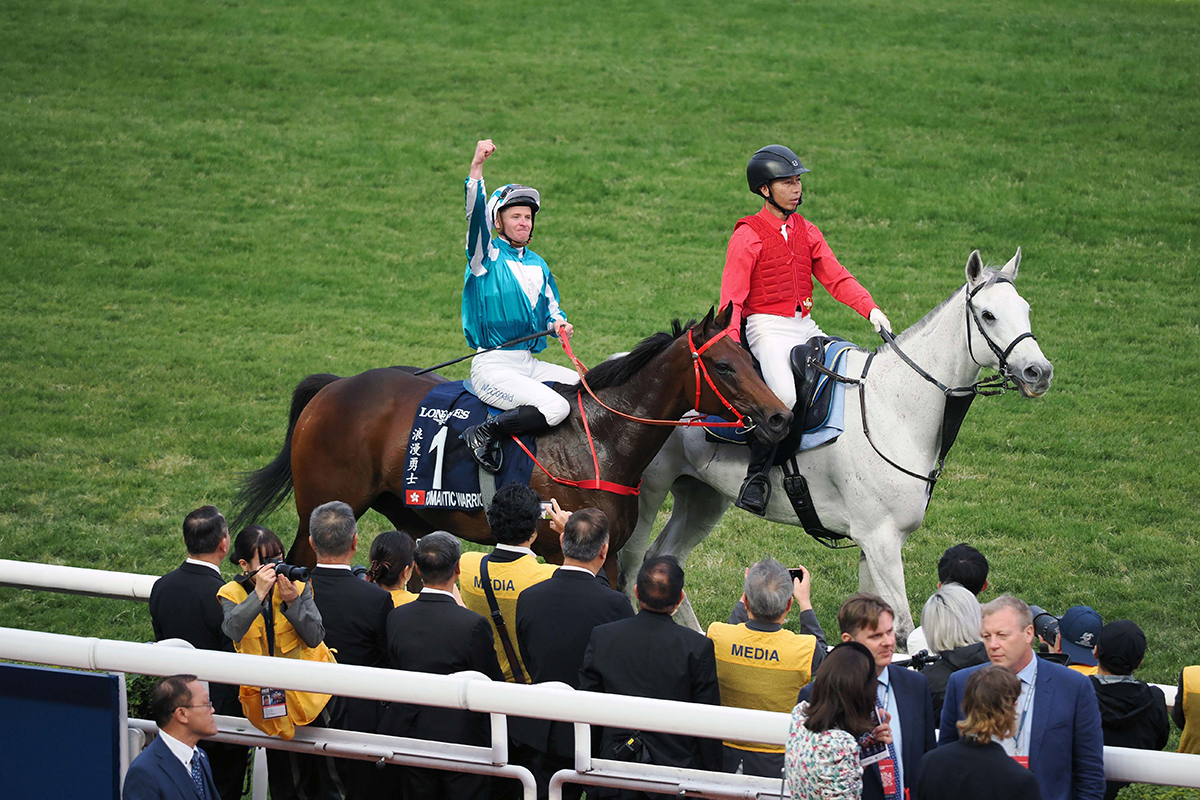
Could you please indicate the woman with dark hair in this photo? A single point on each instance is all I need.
(268, 614)
(975, 765)
(392, 565)
(822, 754)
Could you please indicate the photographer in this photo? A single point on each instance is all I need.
(760, 664)
(268, 614)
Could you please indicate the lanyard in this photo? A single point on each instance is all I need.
(892, 769)
(1025, 710)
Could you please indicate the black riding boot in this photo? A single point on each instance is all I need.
(756, 489)
(484, 440)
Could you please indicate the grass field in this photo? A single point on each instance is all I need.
(200, 203)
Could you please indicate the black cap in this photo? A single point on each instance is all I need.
(772, 163)
(1121, 646)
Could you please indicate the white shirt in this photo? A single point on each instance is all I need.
(334, 566)
(427, 590)
(208, 564)
(179, 749)
(1019, 744)
(514, 548)
(886, 694)
(578, 569)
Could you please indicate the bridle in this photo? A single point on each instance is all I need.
(958, 399)
(699, 369)
(999, 383)
(973, 314)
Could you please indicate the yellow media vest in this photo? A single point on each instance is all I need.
(1189, 740)
(401, 596)
(302, 707)
(761, 670)
(1083, 669)
(509, 579)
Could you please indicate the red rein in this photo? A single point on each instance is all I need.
(698, 368)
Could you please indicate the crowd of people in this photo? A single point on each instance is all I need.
(990, 710)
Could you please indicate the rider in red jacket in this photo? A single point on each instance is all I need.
(769, 269)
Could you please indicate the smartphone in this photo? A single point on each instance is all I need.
(547, 508)
(797, 574)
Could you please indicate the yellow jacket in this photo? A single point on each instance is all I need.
(302, 707)
(511, 574)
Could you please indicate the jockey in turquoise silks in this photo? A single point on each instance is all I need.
(508, 293)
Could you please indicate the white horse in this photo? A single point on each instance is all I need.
(855, 490)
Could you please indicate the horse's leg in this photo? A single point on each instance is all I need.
(881, 557)
(695, 512)
(633, 552)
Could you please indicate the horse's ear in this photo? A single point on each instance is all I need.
(706, 323)
(722, 319)
(974, 269)
(1010, 269)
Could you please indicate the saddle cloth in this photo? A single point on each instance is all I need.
(822, 419)
(438, 470)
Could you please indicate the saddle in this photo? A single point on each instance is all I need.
(814, 414)
(439, 473)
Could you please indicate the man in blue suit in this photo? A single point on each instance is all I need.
(1059, 737)
(173, 767)
(868, 619)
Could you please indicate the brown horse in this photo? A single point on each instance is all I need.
(347, 437)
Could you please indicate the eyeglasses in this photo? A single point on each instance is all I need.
(198, 705)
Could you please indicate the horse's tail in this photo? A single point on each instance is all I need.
(265, 490)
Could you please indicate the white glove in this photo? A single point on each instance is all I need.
(879, 320)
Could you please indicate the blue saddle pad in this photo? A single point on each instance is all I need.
(819, 430)
(439, 471)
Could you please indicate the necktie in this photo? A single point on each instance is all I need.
(198, 776)
(891, 751)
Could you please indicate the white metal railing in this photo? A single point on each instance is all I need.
(471, 692)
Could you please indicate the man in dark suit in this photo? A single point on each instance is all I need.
(868, 619)
(1059, 736)
(555, 619)
(184, 605)
(173, 767)
(354, 613)
(650, 656)
(436, 634)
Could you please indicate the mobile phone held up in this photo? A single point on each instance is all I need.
(797, 574)
(547, 508)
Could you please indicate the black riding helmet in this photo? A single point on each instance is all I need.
(772, 163)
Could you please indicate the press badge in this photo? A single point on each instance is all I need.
(887, 775)
(274, 703)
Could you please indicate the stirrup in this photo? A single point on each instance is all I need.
(746, 499)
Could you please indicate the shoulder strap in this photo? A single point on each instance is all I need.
(498, 620)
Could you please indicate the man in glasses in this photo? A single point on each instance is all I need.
(508, 294)
(173, 767)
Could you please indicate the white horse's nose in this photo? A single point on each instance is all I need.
(1037, 376)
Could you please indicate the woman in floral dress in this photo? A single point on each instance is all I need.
(822, 755)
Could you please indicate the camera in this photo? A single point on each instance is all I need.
(797, 574)
(921, 660)
(289, 571)
(1045, 624)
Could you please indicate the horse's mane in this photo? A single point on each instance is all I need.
(993, 276)
(616, 371)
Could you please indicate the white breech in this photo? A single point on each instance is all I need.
(771, 340)
(510, 378)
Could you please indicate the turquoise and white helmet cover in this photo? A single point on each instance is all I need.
(512, 194)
